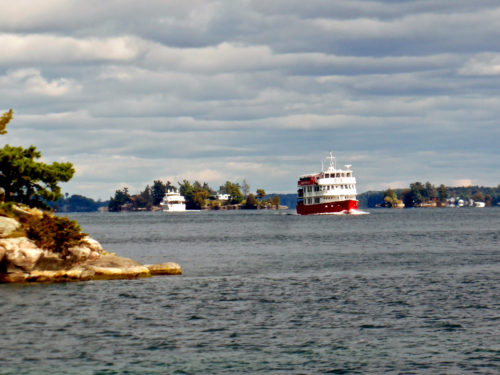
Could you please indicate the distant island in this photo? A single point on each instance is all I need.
(198, 196)
(416, 195)
(428, 195)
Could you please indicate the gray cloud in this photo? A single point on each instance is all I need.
(260, 90)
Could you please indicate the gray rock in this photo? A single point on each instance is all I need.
(20, 253)
(8, 225)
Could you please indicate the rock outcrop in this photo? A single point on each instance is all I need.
(169, 268)
(21, 261)
(8, 225)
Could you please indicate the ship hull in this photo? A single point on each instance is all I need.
(174, 207)
(327, 208)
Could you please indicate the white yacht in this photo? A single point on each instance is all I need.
(173, 202)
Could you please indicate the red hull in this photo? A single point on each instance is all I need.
(327, 208)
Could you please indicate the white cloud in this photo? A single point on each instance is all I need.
(31, 81)
(484, 64)
(462, 182)
(53, 49)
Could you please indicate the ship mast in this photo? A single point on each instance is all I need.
(332, 161)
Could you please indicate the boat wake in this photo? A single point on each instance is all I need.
(346, 212)
(357, 212)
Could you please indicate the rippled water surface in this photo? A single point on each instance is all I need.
(396, 291)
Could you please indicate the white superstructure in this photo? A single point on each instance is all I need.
(173, 202)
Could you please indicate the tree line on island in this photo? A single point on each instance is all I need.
(428, 195)
(416, 195)
(197, 195)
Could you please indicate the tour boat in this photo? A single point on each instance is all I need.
(328, 192)
(173, 202)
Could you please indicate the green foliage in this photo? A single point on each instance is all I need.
(261, 193)
(53, 233)
(25, 180)
(4, 120)
(158, 192)
(251, 203)
(195, 194)
(391, 198)
(121, 198)
(28, 181)
(442, 193)
(234, 190)
(428, 192)
(418, 194)
(143, 200)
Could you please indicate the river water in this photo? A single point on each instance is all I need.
(413, 291)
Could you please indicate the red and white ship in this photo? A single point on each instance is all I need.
(330, 191)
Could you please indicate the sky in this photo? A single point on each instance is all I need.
(262, 91)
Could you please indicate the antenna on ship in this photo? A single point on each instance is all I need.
(332, 160)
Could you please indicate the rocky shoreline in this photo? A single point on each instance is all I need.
(22, 261)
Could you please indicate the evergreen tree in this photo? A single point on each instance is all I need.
(121, 198)
(26, 180)
(261, 193)
(158, 192)
(442, 193)
(430, 191)
(4, 120)
(251, 202)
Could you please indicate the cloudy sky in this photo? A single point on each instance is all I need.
(132, 91)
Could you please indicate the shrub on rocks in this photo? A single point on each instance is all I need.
(54, 233)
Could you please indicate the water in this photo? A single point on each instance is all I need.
(396, 292)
